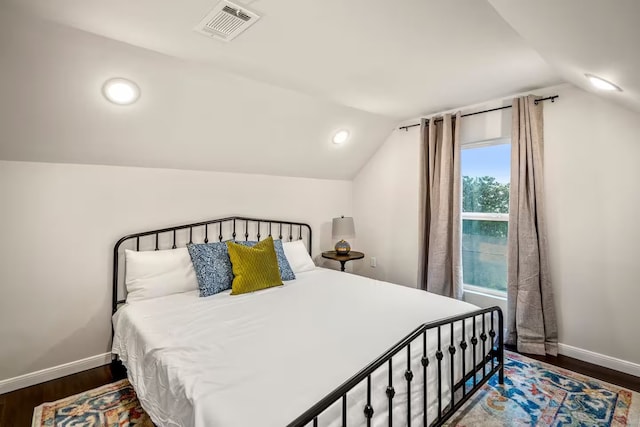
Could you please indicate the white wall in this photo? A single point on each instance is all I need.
(593, 205)
(591, 154)
(385, 202)
(59, 222)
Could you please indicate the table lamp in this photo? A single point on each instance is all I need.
(343, 227)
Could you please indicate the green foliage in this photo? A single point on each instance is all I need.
(484, 243)
(484, 194)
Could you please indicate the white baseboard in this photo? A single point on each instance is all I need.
(54, 372)
(600, 359)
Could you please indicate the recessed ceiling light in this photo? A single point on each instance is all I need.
(121, 91)
(341, 136)
(601, 84)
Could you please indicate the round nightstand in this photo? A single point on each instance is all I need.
(342, 258)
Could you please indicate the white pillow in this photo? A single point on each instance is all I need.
(298, 256)
(152, 274)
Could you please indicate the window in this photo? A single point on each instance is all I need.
(485, 215)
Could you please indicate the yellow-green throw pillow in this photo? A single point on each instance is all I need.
(254, 268)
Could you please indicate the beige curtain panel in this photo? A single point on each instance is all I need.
(440, 207)
(531, 316)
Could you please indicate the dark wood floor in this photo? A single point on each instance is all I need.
(16, 408)
(604, 374)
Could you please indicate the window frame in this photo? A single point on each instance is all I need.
(484, 291)
(483, 216)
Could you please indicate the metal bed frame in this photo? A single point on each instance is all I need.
(472, 379)
(198, 232)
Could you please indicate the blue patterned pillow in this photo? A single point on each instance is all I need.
(213, 267)
(286, 273)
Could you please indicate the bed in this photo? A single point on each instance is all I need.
(325, 349)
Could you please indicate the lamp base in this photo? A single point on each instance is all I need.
(342, 247)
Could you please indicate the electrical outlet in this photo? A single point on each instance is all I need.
(373, 262)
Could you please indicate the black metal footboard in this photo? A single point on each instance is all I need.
(472, 362)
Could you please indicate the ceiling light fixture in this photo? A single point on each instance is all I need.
(341, 136)
(602, 84)
(121, 91)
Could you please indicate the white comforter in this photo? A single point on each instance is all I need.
(261, 359)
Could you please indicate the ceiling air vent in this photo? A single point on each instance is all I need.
(226, 21)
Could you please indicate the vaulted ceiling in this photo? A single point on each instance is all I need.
(269, 101)
(397, 58)
(583, 36)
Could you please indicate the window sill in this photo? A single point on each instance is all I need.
(478, 290)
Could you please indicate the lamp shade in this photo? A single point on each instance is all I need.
(343, 227)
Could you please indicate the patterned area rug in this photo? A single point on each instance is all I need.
(538, 394)
(112, 405)
(534, 394)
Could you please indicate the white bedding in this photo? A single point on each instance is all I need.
(262, 359)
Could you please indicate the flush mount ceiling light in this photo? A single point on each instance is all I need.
(602, 84)
(341, 136)
(121, 91)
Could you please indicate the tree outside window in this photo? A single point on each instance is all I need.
(485, 214)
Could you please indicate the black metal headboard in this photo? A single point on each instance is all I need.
(221, 229)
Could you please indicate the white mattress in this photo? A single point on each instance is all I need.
(262, 359)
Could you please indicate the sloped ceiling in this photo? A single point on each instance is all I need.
(189, 116)
(583, 36)
(267, 102)
(397, 58)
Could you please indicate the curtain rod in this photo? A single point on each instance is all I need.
(552, 98)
